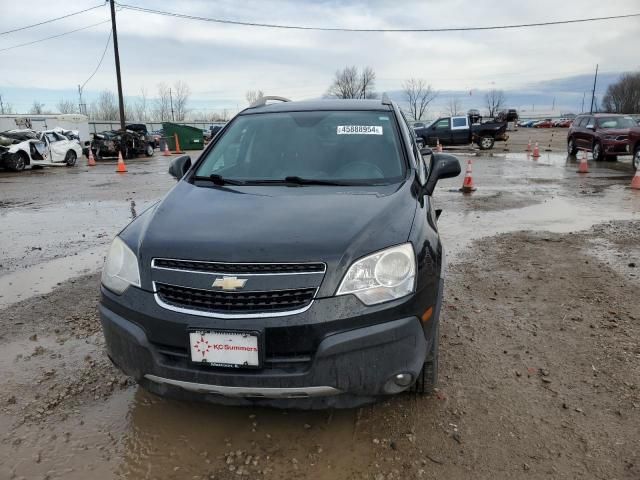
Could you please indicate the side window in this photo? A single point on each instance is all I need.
(423, 168)
(458, 122)
(442, 124)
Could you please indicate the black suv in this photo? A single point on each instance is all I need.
(296, 263)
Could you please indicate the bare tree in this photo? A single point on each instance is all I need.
(419, 95)
(66, 106)
(105, 107)
(5, 108)
(368, 83)
(180, 97)
(162, 108)
(140, 108)
(454, 107)
(623, 96)
(350, 83)
(37, 108)
(253, 95)
(494, 100)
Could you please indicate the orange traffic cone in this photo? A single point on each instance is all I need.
(529, 146)
(467, 184)
(583, 167)
(536, 151)
(122, 168)
(92, 161)
(635, 183)
(175, 136)
(438, 145)
(166, 152)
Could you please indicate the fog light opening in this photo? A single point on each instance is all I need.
(403, 379)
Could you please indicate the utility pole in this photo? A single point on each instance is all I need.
(117, 56)
(593, 92)
(1, 106)
(82, 108)
(582, 108)
(171, 102)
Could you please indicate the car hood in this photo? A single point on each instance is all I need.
(615, 131)
(330, 224)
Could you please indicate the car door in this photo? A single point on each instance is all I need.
(58, 146)
(460, 134)
(586, 132)
(440, 130)
(578, 131)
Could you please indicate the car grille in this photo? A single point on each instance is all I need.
(241, 302)
(239, 268)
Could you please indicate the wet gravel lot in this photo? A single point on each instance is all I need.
(540, 356)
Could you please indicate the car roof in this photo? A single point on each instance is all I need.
(314, 105)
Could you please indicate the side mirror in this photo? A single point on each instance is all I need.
(179, 166)
(443, 165)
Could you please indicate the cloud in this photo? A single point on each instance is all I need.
(221, 62)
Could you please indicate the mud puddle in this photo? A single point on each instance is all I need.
(134, 435)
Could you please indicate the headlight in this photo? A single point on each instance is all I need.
(120, 268)
(382, 276)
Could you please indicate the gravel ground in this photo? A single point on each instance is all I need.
(540, 378)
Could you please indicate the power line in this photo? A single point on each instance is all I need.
(53, 36)
(51, 20)
(100, 62)
(380, 30)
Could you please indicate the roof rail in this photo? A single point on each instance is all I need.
(385, 99)
(261, 101)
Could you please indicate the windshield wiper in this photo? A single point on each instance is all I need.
(312, 181)
(220, 180)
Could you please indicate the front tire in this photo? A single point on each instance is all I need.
(486, 143)
(17, 162)
(70, 158)
(149, 151)
(636, 158)
(428, 376)
(596, 151)
(571, 147)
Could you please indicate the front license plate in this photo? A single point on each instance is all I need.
(225, 349)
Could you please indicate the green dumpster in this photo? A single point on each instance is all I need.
(190, 138)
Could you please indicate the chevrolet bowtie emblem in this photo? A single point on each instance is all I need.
(229, 283)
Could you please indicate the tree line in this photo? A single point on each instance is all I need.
(171, 101)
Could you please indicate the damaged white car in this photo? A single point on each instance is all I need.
(19, 148)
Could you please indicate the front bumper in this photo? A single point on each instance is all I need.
(620, 147)
(349, 366)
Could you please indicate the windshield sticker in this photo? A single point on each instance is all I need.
(383, 118)
(359, 130)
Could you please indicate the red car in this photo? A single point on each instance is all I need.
(605, 135)
(634, 146)
(548, 123)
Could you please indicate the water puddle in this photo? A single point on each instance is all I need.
(555, 214)
(44, 277)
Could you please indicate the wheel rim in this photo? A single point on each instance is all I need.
(596, 151)
(20, 163)
(486, 142)
(636, 159)
(71, 159)
(570, 146)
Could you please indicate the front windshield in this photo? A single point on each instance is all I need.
(359, 147)
(616, 122)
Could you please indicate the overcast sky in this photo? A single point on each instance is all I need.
(221, 62)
